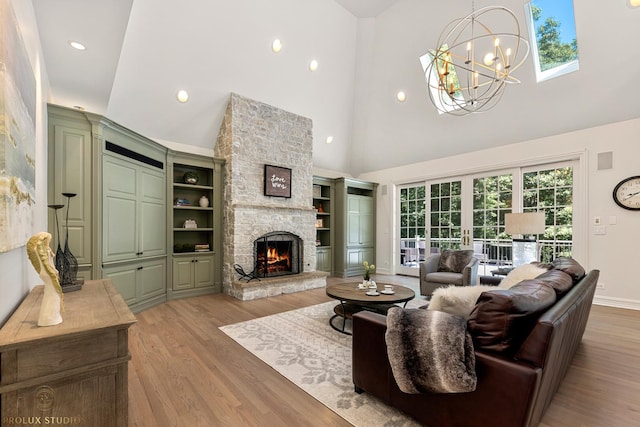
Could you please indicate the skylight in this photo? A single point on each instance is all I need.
(552, 31)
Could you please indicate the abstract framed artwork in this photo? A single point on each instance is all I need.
(17, 135)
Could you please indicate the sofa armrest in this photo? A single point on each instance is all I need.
(470, 273)
(370, 365)
(429, 265)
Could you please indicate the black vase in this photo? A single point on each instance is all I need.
(66, 263)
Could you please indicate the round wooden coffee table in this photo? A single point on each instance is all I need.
(353, 299)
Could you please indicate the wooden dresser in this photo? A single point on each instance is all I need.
(74, 373)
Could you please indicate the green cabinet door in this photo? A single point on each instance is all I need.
(182, 273)
(134, 210)
(324, 259)
(203, 271)
(120, 210)
(70, 172)
(141, 284)
(359, 220)
(153, 216)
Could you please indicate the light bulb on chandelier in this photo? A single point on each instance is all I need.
(472, 65)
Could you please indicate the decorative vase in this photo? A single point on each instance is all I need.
(66, 263)
(204, 202)
(191, 178)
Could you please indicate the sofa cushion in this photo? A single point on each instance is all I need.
(569, 266)
(454, 261)
(560, 281)
(503, 318)
(457, 300)
(523, 272)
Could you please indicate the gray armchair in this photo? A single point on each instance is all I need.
(458, 268)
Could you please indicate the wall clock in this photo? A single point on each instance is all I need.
(627, 193)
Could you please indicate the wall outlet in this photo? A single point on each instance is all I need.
(596, 220)
(600, 285)
(601, 229)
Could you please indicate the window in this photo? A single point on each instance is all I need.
(555, 47)
(446, 214)
(551, 190)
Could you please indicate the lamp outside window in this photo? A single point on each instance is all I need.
(525, 249)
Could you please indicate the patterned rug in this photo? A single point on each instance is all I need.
(302, 347)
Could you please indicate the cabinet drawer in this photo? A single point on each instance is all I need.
(64, 354)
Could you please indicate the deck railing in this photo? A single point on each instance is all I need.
(488, 251)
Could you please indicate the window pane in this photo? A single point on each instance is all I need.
(555, 48)
(530, 180)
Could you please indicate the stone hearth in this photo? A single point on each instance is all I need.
(252, 135)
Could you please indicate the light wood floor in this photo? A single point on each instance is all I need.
(185, 372)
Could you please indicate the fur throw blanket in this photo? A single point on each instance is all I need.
(430, 351)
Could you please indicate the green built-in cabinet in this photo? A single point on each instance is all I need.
(120, 221)
(354, 225)
(195, 224)
(323, 196)
(70, 171)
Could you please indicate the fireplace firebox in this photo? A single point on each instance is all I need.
(277, 253)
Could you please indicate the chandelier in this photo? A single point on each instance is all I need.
(472, 64)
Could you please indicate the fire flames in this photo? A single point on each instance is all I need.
(276, 260)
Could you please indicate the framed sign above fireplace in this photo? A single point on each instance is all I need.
(277, 181)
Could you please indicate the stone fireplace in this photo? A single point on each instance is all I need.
(252, 135)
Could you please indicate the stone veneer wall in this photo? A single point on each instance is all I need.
(253, 134)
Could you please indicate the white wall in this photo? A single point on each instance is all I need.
(614, 254)
(18, 276)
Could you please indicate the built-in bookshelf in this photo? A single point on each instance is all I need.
(323, 205)
(196, 224)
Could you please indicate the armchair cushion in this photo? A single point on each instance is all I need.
(454, 261)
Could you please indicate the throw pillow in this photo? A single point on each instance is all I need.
(454, 261)
(522, 272)
(457, 300)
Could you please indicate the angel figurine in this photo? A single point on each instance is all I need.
(41, 257)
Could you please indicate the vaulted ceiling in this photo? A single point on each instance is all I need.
(141, 52)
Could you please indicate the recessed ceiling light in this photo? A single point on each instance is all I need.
(634, 3)
(329, 140)
(276, 46)
(183, 96)
(77, 45)
(313, 65)
(401, 96)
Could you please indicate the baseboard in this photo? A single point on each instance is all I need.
(617, 302)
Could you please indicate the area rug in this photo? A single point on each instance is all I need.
(302, 347)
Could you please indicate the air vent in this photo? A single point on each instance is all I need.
(114, 148)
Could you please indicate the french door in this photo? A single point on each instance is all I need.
(468, 212)
(449, 214)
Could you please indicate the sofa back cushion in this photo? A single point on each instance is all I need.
(560, 281)
(454, 261)
(503, 318)
(569, 266)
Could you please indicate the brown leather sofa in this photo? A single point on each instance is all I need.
(517, 375)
